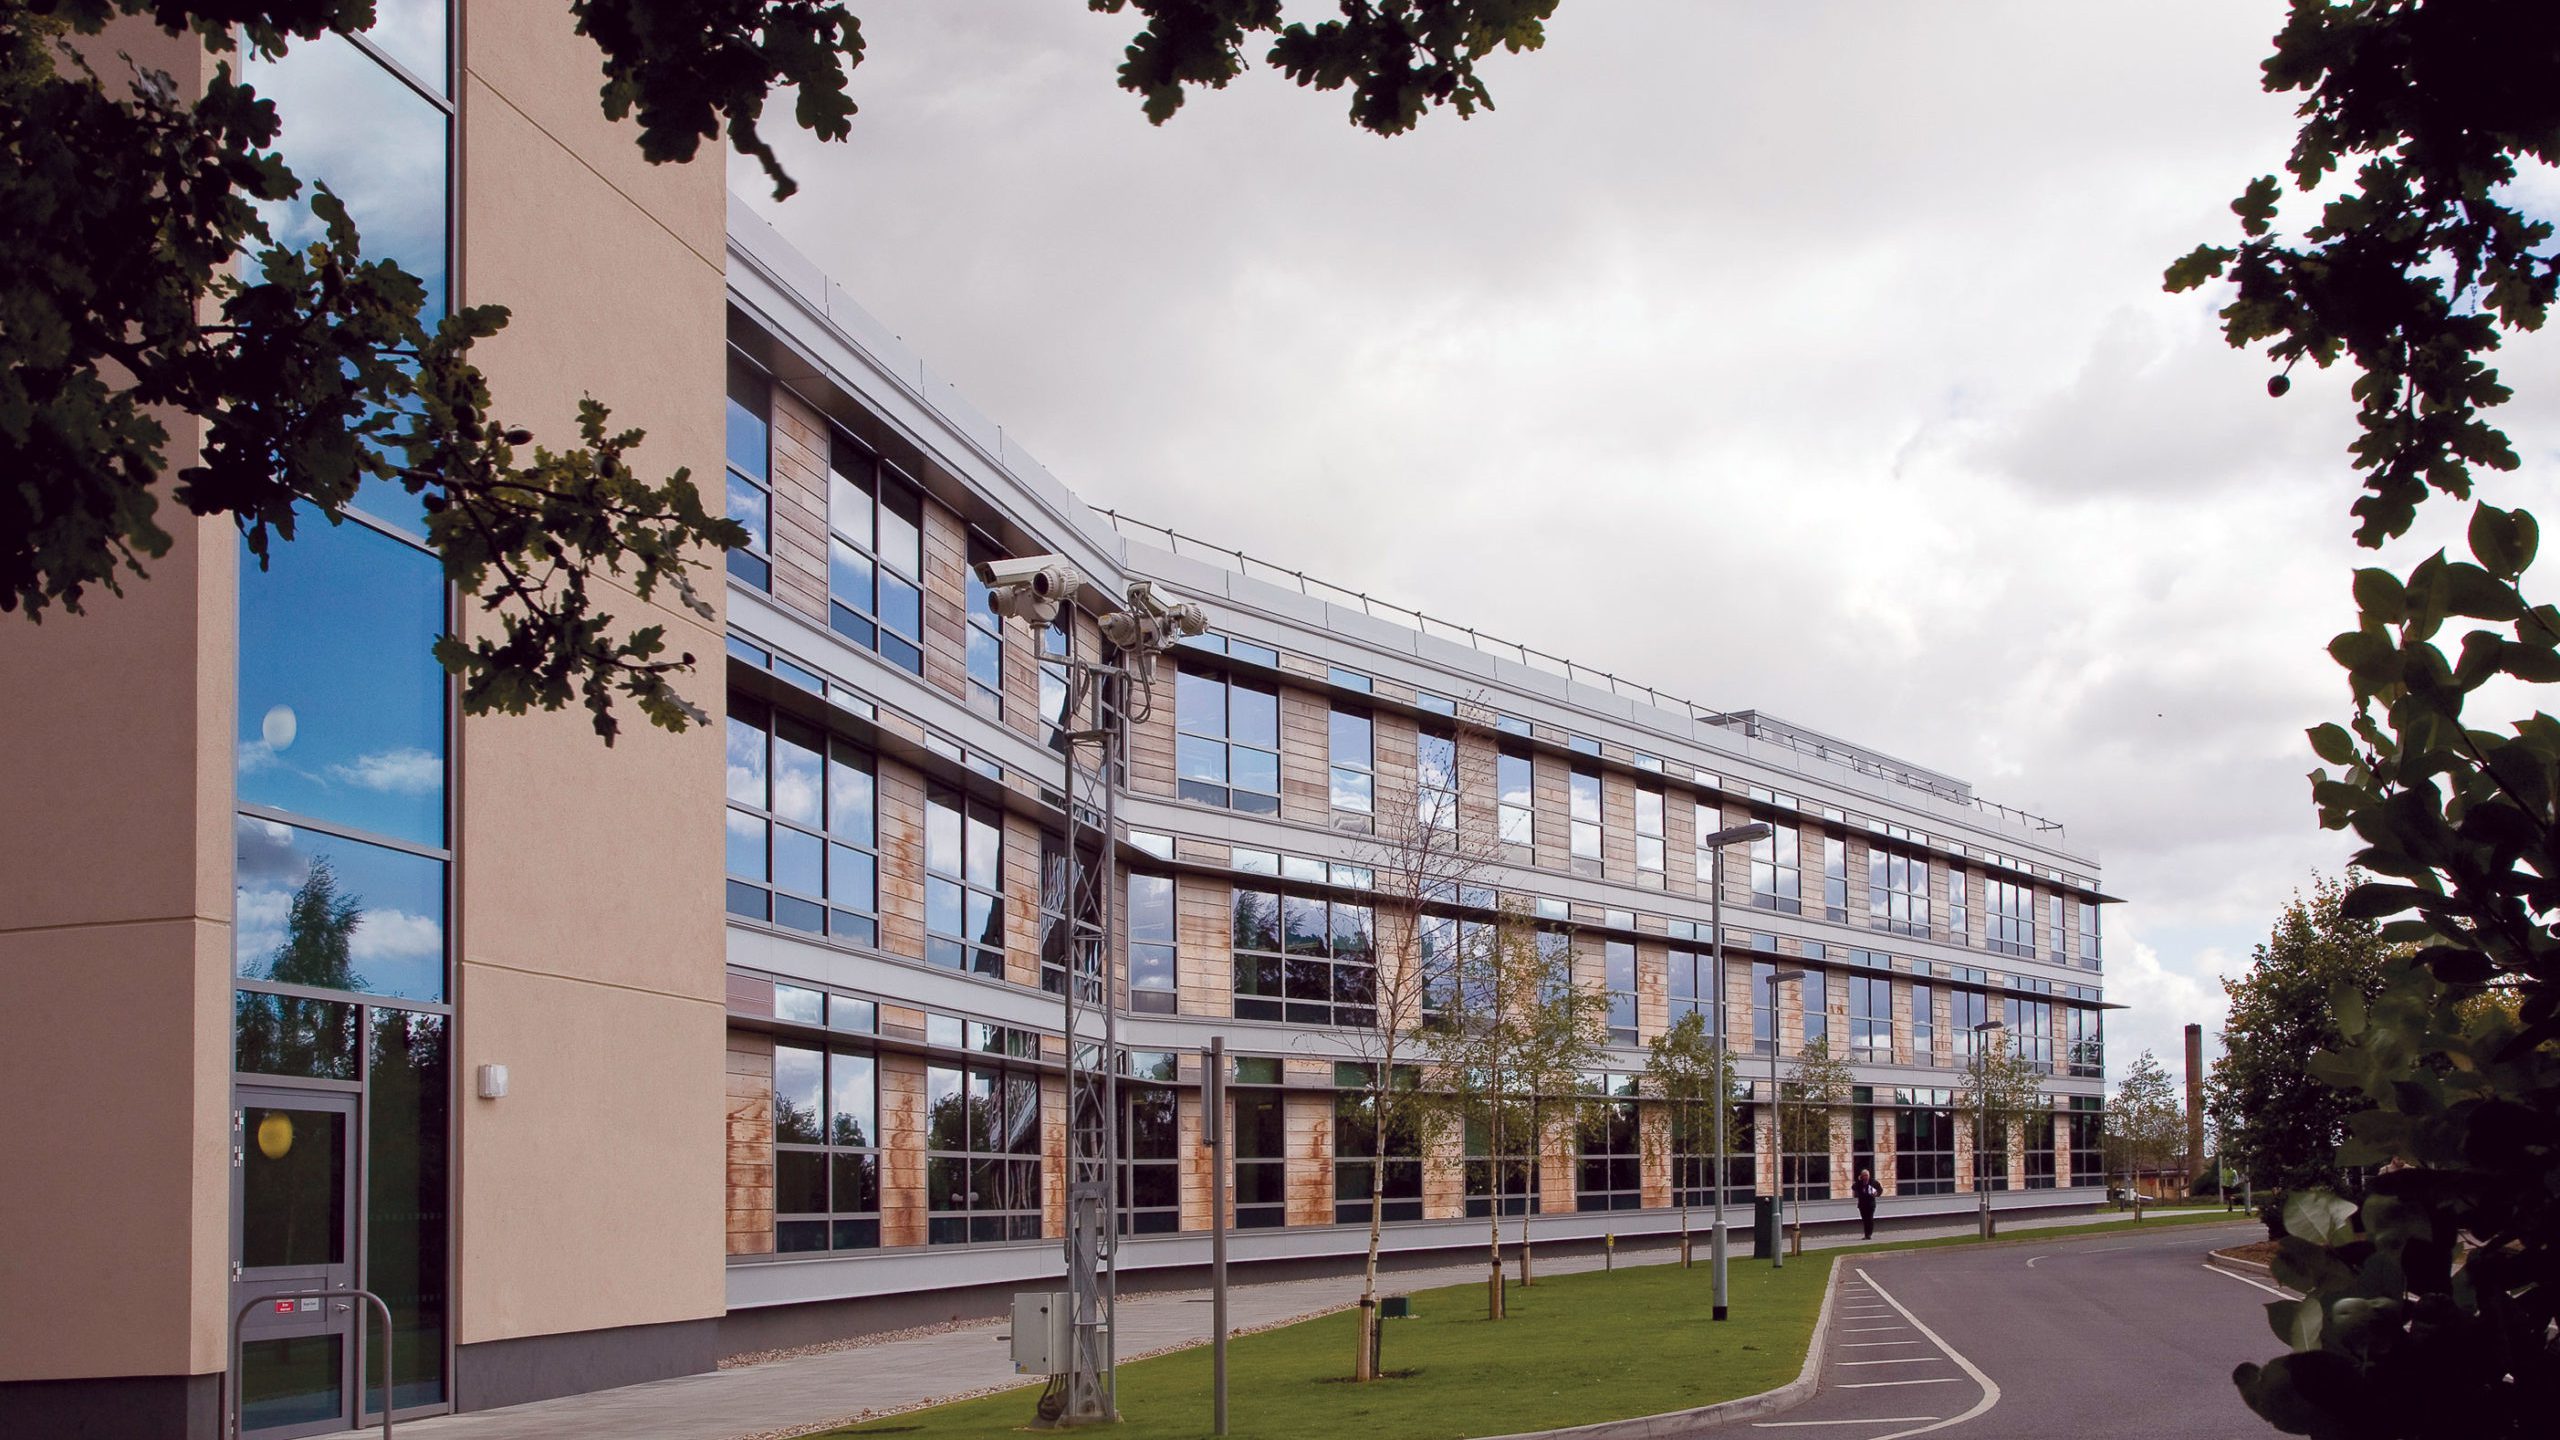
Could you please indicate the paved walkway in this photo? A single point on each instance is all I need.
(811, 1392)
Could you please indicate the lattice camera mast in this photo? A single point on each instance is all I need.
(1085, 878)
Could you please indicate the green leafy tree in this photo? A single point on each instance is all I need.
(1817, 1082)
(2281, 1126)
(1567, 1038)
(290, 1035)
(311, 370)
(1687, 1069)
(2146, 1124)
(2003, 1092)
(1474, 1047)
(2429, 1305)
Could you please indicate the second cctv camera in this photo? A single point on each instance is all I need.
(1030, 588)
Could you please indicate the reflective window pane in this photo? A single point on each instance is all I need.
(341, 703)
(313, 909)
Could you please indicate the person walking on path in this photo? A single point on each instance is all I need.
(1866, 1190)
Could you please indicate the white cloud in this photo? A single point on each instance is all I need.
(383, 934)
(1807, 357)
(406, 770)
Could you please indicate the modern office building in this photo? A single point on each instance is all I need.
(597, 1065)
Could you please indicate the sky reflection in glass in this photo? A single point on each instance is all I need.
(342, 707)
(394, 944)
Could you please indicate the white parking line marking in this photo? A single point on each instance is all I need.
(1870, 1420)
(1862, 1344)
(1871, 1329)
(1881, 1384)
(1905, 1360)
(2245, 1280)
(1990, 1389)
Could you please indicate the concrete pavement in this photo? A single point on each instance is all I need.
(811, 1392)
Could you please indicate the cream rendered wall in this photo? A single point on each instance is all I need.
(115, 970)
(590, 933)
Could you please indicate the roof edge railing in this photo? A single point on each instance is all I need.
(1755, 725)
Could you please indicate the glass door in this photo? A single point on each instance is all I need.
(294, 1210)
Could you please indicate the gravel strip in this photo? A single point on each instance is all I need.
(854, 1342)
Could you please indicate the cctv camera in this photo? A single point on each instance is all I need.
(1030, 588)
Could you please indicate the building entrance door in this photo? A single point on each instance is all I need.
(294, 1229)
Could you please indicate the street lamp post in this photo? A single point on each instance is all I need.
(1714, 844)
(1981, 1122)
(1778, 1106)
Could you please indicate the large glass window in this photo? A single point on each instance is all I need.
(1649, 839)
(314, 909)
(1354, 753)
(1452, 950)
(1151, 944)
(1509, 1178)
(1057, 650)
(1967, 1012)
(1304, 959)
(1777, 873)
(982, 1153)
(963, 883)
(1898, 892)
(986, 638)
(1816, 991)
(2010, 925)
(1585, 818)
(1693, 1152)
(1515, 780)
(750, 453)
(875, 554)
(1924, 1024)
(1355, 1152)
(1150, 1145)
(1618, 967)
(1053, 927)
(1435, 794)
(1262, 1144)
(1609, 1148)
(1835, 878)
(1924, 1142)
(2039, 1150)
(2092, 953)
(341, 720)
(1871, 1018)
(2086, 1125)
(1227, 742)
(2053, 930)
(2087, 1053)
(1764, 1012)
(826, 1145)
(1696, 989)
(802, 825)
(2031, 1032)
(1959, 913)
(341, 706)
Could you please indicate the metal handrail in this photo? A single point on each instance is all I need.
(240, 1319)
(1246, 565)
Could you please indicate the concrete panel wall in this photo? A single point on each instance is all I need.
(588, 879)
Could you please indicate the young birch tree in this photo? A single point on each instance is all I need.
(1817, 1083)
(1476, 1043)
(1686, 1069)
(2001, 1089)
(1425, 853)
(1567, 1037)
(2147, 1118)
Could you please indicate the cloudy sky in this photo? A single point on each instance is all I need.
(1810, 357)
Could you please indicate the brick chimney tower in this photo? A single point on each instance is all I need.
(2195, 1103)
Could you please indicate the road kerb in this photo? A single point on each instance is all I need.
(1675, 1423)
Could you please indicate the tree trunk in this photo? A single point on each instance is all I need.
(1493, 1218)
(1365, 1368)
(1537, 1158)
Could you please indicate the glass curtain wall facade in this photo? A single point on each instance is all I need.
(342, 851)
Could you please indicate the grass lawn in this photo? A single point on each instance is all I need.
(1597, 1345)
(1577, 1348)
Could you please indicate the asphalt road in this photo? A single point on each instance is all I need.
(2120, 1334)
